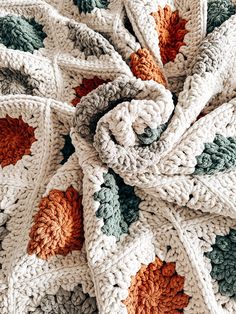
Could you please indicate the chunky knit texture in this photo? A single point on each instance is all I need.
(171, 31)
(118, 205)
(16, 138)
(217, 156)
(143, 66)
(71, 302)
(21, 33)
(218, 12)
(86, 87)
(157, 288)
(58, 226)
(14, 82)
(222, 258)
(117, 157)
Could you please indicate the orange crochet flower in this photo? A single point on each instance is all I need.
(144, 67)
(86, 87)
(157, 288)
(58, 225)
(16, 138)
(171, 30)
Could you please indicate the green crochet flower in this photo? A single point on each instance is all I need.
(71, 302)
(217, 156)
(87, 6)
(19, 33)
(118, 205)
(14, 82)
(218, 11)
(223, 261)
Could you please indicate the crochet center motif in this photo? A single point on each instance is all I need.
(60, 222)
(157, 288)
(21, 33)
(171, 30)
(223, 263)
(16, 138)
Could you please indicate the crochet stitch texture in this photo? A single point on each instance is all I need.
(117, 157)
(20, 33)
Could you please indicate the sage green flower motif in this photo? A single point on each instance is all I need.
(118, 205)
(217, 156)
(218, 11)
(71, 302)
(19, 33)
(223, 261)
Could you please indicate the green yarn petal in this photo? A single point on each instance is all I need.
(223, 261)
(216, 256)
(219, 11)
(232, 235)
(226, 288)
(19, 33)
(223, 243)
(151, 135)
(71, 302)
(87, 6)
(118, 205)
(217, 156)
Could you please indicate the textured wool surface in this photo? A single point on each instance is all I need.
(117, 156)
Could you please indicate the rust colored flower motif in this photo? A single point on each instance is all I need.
(58, 225)
(144, 67)
(16, 138)
(171, 30)
(157, 288)
(85, 88)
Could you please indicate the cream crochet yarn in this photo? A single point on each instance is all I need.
(117, 157)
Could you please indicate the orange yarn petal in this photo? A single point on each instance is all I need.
(16, 138)
(144, 67)
(168, 270)
(86, 87)
(171, 30)
(58, 225)
(156, 288)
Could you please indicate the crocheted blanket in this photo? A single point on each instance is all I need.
(117, 156)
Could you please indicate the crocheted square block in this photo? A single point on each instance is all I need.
(26, 27)
(107, 17)
(32, 75)
(197, 238)
(100, 15)
(171, 30)
(62, 81)
(75, 301)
